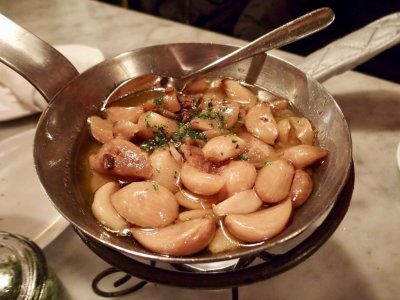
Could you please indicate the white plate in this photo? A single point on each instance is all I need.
(25, 209)
(10, 107)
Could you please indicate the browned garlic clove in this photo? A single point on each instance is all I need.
(121, 158)
(301, 188)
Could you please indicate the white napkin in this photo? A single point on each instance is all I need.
(81, 56)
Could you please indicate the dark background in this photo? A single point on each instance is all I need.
(249, 19)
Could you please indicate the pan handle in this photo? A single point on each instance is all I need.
(355, 48)
(38, 62)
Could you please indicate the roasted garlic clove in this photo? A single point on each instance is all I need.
(230, 114)
(240, 203)
(178, 239)
(100, 129)
(151, 122)
(274, 180)
(191, 200)
(204, 124)
(301, 188)
(260, 225)
(170, 100)
(104, 211)
(261, 123)
(239, 176)
(124, 129)
(302, 156)
(221, 243)
(120, 158)
(302, 130)
(200, 182)
(223, 147)
(239, 94)
(284, 132)
(258, 152)
(166, 170)
(146, 204)
(118, 113)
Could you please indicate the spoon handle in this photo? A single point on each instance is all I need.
(281, 36)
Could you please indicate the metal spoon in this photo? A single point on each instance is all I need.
(290, 32)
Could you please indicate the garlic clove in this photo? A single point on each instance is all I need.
(178, 239)
(260, 225)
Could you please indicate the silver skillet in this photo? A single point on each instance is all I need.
(73, 97)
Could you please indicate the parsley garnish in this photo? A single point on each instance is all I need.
(159, 140)
(185, 130)
(158, 101)
(244, 156)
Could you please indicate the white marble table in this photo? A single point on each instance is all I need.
(360, 261)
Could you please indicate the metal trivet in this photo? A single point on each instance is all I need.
(247, 270)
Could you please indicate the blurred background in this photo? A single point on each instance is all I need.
(249, 19)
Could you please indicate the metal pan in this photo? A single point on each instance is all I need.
(73, 97)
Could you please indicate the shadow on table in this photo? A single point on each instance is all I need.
(375, 110)
(329, 274)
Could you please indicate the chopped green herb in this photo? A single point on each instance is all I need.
(159, 101)
(237, 146)
(220, 118)
(234, 141)
(244, 156)
(185, 130)
(155, 186)
(146, 119)
(159, 140)
(222, 153)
